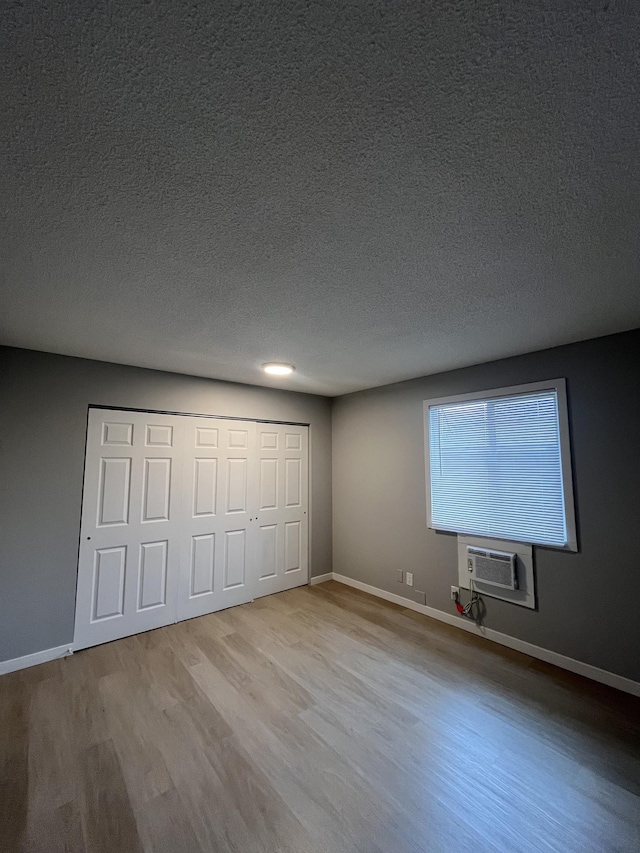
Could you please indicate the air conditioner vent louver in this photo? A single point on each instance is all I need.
(495, 555)
(495, 568)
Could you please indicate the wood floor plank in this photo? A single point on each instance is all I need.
(208, 805)
(141, 763)
(14, 761)
(52, 776)
(166, 826)
(107, 816)
(319, 720)
(55, 830)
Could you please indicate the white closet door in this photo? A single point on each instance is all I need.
(130, 530)
(219, 515)
(283, 520)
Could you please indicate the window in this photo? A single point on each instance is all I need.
(498, 464)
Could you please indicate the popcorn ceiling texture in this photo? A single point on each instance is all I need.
(370, 190)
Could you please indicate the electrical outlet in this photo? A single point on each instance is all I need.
(409, 578)
(455, 592)
(399, 575)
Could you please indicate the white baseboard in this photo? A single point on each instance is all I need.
(564, 662)
(32, 660)
(321, 578)
(546, 655)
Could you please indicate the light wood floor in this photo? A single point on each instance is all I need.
(320, 720)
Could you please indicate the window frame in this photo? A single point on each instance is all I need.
(560, 387)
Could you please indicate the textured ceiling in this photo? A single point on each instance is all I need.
(370, 190)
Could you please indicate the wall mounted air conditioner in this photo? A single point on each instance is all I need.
(496, 568)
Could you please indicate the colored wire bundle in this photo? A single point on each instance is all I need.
(474, 609)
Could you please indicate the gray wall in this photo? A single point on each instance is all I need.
(43, 412)
(586, 601)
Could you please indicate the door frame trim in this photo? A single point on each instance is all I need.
(193, 415)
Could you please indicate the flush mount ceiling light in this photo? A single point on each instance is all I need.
(276, 368)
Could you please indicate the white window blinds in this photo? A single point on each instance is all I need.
(496, 468)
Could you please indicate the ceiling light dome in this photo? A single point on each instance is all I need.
(277, 368)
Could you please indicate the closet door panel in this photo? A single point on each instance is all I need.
(130, 532)
(283, 520)
(218, 516)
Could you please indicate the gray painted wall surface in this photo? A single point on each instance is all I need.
(584, 599)
(43, 412)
